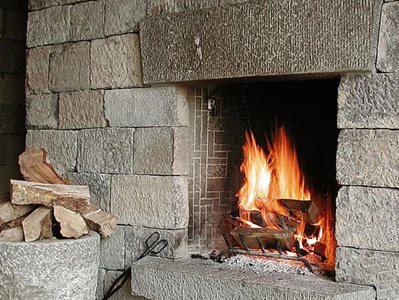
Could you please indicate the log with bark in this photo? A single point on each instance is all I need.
(38, 225)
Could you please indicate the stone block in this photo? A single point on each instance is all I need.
(160, 7)
(12, 90)
(123, 16)
(388, 45)
(61, 145)
(100, 284)
(37, 70)
(135, 107)
(368, 157)
(82, 110)
(368, 267)
(365, 218)
(48, 26)
(70, 1)
(42, 111)
(70, 67)
(151, 201)
(87, 21)
(116, 62)
(106, 150)
(12, 56)
(124, 293)
(39, 4)
(112, 254)
(272, 38)
(369, 101)
(99, 185)
(11, 147)
(161, 151)
(135, 238)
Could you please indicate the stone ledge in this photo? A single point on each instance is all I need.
(157, 278)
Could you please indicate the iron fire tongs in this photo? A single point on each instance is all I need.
(235, 250)
(152, 242)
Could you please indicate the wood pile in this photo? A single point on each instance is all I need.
(45, 205)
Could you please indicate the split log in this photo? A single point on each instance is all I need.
(306, 210)
(101, 222)
(38, 225)
(9, 212)
(72, 223)
(35, 167)
(24, 192)
(12, 234)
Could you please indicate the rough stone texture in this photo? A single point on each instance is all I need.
(116, 62)
(112, 253)
(369, 101)
(12, 89)
(50, 269)
(157, 278)
(159, 7)
(135, 107)
(87, 21)
(135, 238)
(388, 45)
(365, 218)
(42, 111)
(162, 150)
(39, 4)
(124, 293)
(60, 145)
(37, 67)
(100, 284)
(82, 110)
(11, 147)
(123, 16)
(211, 44)
(151, 201)
(70, 67)
(368, 157)
(106, 150)
(368, 267)
(55, 28)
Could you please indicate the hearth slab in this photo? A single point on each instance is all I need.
(159, 278)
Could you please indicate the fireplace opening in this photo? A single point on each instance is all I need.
(270, 162)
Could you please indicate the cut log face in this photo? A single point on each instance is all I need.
(9, 212)
(12, 234)
(72, 223)
(101, 222)
(35, 167)
(38, 225)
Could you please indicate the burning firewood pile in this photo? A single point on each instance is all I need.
(45, 206)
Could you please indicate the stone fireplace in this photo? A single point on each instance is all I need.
(147, 103)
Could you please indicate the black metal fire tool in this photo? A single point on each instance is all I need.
(155, 245)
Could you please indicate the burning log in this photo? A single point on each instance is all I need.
(38, 225)
(302, 210)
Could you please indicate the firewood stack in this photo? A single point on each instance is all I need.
(45, 205)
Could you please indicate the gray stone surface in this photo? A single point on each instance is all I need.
(151, 201)
(368, 157)
(83, 109)
(87, 21)
(365, 218)
(39, 4)
(61, 145)
(135, 107)
(161, 150)
(100, 284)
(11, 147)
(116, 62)
(106, 150)
(42, 111)
(160, 7)
(50, 269)
(157, 278)
(124, 293)
(123, 16)
(135, 238)
(388, 45)
(272, 38)
(368, 267)
(48, 26)
(112, 254)
(37, 70)
(70, 67)
(12, 89)
(369, 101)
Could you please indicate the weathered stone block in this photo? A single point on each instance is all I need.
(388, 45)
(70, 1)
(368, 267)
(135, 238)
(163, 150)
(106, 150)
(61, 145)
(116, 62)
(272, 38)
(124, 293)
(12, 90)
(87, 21)
(37, 67)
(39, 4)
(365, 218)
(48, 26)
(112, 254)
(369, 101)
(135, 107)
(11, 147)
(12, 56)
(42, 111)
(70, 67)
(123, 16)
(82, 109)
(100, 284)
(151, 201)
(368, 157)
